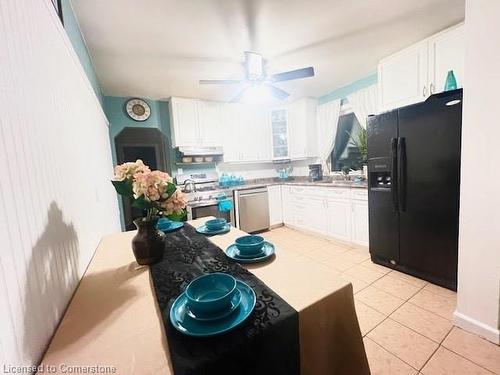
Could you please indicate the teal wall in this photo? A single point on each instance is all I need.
(75, 36)
(114, 108)
(342, 92)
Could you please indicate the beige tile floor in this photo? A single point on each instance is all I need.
(406, 322)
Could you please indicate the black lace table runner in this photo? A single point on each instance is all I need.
(266, 343)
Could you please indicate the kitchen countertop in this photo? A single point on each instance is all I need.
(252, 184)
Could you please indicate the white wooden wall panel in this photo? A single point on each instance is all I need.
(56, 201)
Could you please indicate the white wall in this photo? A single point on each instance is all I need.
(479, 249)
(56, 201)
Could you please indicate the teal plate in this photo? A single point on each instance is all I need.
(235, 302)
(174, 226)
(268, 251)
(204, 230)
(180, 319)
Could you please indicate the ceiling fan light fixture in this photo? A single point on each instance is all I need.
(258, 94)
(254, 64)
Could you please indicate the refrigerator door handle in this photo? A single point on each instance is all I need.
(394, 173)
(402, 174)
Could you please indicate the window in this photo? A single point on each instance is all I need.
(346, 154)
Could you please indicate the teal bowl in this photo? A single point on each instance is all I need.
(211, 293)
(249, 245)
(216, 224)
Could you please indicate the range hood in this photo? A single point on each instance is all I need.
(200, 151)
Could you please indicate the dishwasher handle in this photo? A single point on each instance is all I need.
(252, 191)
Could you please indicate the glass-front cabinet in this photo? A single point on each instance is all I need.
(279, 126)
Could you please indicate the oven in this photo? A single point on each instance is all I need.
(195, 210)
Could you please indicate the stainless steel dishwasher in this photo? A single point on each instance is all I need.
(252, 209)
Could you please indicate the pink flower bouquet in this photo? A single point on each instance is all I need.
(152, 191)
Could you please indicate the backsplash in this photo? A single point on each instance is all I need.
(250, 171)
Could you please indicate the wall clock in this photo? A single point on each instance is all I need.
(138, 109)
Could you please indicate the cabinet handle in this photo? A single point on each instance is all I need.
(425, 91)
(432, 88)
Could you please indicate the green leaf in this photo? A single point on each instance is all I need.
(177, 216)
(142, 203)
(123, 187)
(171, 188)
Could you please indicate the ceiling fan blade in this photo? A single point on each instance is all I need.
(219, 81)
(293, 74)
(238, 96)
(277, 92)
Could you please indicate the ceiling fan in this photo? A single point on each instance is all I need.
(256, 75)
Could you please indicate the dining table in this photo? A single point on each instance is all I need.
(114, 323)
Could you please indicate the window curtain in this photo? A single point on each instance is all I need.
(327, 121)
(364, 103)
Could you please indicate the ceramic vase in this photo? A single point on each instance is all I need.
(149, 243)
(451, 81)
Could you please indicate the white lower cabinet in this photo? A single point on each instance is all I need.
(334, 212)
(275, 205)
(360, 222)
(338, 217)
(311, 218)
(286, 204)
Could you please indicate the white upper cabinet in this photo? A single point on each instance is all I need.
(195, 123)
(298, 131)
(261, 131)
(403, 77)
(414, 73)
(184, 122)
(231, 131)
(302, 128)
(446, 52)
(293, 130)
(279, 133)
(245, 134)
(209, 120)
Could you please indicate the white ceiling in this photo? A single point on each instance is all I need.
(161, 48)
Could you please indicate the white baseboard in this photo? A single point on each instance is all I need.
(469, 324)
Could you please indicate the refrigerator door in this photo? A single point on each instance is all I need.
(382, 132)
(429, 187)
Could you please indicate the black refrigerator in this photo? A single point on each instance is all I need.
(414, 187)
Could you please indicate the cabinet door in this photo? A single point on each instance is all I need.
(297, 130)
(339, 219)
(403, 77)
(231, 132)
(311, 127)
(360, 222)
(262, 134)
(248, 136)
(255, 134)
(209, 120)
(275, 207)
(185, 122)
(446, 52)
(286, 204)
(279, 133)
(315, 215)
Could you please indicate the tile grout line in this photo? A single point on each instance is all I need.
(394, 354)
(460, 355)
(388, 351)
(406, 300)
(387, 317)
(393, 295)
